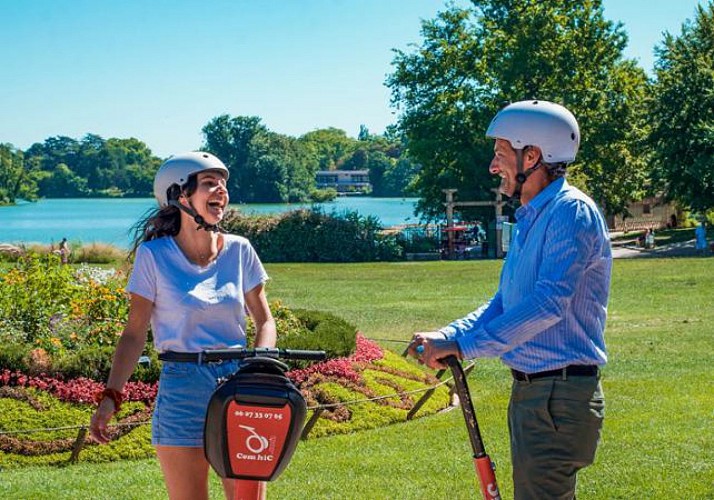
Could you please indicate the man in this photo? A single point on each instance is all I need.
(547, 319)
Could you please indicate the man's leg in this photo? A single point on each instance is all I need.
(555, 428)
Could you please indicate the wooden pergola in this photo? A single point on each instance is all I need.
(450, 205)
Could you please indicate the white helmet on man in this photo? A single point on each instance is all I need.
(547, 125)
(177, 169)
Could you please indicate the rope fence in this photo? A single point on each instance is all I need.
(317, 410)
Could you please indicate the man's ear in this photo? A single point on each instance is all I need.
(531, 156)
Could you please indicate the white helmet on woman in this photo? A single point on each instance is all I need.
(547, 125)
(177, 169)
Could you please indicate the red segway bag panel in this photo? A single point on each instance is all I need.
(254, 421)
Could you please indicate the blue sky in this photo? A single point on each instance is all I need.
(160, 70)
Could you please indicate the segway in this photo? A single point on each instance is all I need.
(485, 469)
(255, 416)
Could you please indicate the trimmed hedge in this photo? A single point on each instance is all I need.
(314, 236)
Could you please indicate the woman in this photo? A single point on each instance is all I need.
(193, 284)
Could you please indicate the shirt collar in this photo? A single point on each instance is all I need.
(541, 199)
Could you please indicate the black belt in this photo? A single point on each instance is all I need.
(568, 371)
(189, 357)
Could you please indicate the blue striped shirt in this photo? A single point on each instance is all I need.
(551, 304)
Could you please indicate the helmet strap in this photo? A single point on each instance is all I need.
(521, 175)
(198, 219)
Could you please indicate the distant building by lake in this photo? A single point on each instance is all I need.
(344, 181)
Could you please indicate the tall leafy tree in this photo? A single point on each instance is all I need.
(472, 61)
(331, 146)
(92, 166)
(15, 180)
(683, 113)
(265, 166)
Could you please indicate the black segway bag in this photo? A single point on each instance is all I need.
(254, 421)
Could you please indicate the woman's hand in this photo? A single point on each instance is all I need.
(100, 420)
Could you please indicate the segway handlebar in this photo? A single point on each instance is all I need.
(264, 352)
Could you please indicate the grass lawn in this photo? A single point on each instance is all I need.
(659, 384)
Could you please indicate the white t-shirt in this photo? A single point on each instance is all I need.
(196, 308)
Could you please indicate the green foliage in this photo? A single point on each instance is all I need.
(392, 374)
(265, 166)
(683, 113)
(35, 290)
(89, 361)
(64, 167)
(323, 195)
(313, 236)
(327, 332)
(14, 180)
(471, 61)
(331, 146)
(61, 317)
(377, 383)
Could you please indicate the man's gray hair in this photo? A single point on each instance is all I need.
(556, 170)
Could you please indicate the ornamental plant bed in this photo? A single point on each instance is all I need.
(54, 409)
(59, 326)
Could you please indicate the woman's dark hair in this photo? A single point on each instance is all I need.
(159, 222)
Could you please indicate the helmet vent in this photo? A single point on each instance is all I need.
(572, 135)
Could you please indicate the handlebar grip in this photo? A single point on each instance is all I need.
(268, 352)
(300, 354)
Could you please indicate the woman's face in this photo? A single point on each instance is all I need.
(211, 196)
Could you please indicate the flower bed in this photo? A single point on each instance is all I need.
(59, 326)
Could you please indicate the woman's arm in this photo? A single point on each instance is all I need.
(129, 348)
(265, 332)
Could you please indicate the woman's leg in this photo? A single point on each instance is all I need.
(185, 472)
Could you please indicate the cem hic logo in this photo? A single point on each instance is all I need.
(255, 443)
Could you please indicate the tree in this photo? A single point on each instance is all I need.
(63, 183)
(472, 61)
(683, 113)
(94, 166)
(264, 166)
(331, 146)
(15, 181)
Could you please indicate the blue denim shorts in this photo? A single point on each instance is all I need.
(180, 408)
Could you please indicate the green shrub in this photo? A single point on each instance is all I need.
(90, 361)
(323, 195)
(310, 330)
(313, 236)
(328, 332)
(13, 356)
(35, 290)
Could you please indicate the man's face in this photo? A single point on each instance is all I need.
(504, 165)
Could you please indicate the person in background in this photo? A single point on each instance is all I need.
(700, 234)
(546, 321)
(193, 284)
(64, 251)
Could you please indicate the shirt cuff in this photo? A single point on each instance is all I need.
(468, 346)
(448, 332)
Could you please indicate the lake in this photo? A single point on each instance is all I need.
(109, 220)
